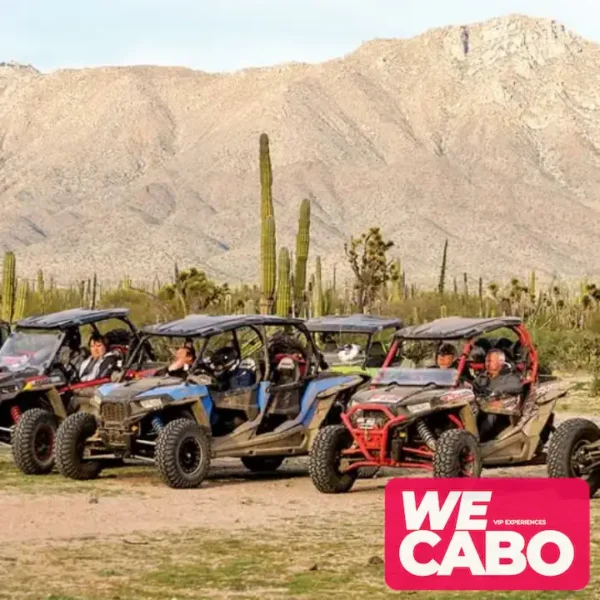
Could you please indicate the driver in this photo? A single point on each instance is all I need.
(447, 357)
(101, 363)
(185, 357)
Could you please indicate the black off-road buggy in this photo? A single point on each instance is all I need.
(426, 417)
(355, 343)
(254, 391)
(39, 384)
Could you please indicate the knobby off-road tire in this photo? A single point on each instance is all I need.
(324, 460)
(33, 442)
(262, 464)
(564, 443)
(182, 454)
(453, 450)
(70, 445)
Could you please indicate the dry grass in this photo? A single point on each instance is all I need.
(327, 560)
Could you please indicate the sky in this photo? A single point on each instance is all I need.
(225, 35)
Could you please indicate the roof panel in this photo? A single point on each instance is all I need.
(358, 323)
(72, 317)
(456, 328)
(204, 325)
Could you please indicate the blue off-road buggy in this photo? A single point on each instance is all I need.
(254, 389)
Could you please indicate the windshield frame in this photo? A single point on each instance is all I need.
(450, 374)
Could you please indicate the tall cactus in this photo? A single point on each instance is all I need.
(9, 285)
(269, 264)
(283, 284)
(94, 297)
(396, 276)
(317, 290)
(268, 238)
(21, 300)
(442, 283)
(532, 290)
(302, 247)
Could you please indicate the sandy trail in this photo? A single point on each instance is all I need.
(232, 499)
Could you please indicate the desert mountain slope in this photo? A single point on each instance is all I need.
(488, 135)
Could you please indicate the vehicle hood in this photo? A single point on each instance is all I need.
(148, 387)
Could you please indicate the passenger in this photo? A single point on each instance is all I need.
(498, 377)
(185, 357)
(101, 363)
(447, 357)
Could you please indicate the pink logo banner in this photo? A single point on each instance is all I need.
(487, 534)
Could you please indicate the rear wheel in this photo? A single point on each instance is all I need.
(457, 454)
(182, 454)
(367, 472)
(70, 446)
(33, 442)
(566, 444)
(262, 464)
(325, 458)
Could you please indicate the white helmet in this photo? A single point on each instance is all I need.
(349, 353)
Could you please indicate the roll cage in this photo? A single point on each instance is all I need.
(470, 330)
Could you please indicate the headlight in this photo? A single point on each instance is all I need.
(9, 389)
(151, 403)
(96, 401)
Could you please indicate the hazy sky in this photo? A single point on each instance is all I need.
(224, 35)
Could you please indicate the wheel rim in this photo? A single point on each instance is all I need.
(190, 455)
(574, 462)
(43, 443)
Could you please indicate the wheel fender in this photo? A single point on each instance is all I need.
(198, 409)
(325, 402)
(56, 403)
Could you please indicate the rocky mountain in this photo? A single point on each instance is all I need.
(487, 134)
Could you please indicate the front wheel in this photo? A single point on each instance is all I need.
(566, 443)
(325, 458)
(182, 454)
(33, 442)
(70, 446)
(457, 454)
(262, 464)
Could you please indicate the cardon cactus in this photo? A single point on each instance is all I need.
(317, 290)
(268, 244)
(283, 284)
(269, 264)
(249, 307)
(94, 298)
(9, 284)
(302, 247)
(21, 301)
(395, 276)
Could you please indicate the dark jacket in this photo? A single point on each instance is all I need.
(100, 368)
(506, 383)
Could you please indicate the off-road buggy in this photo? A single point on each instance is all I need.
(39, 385)
(254, 391)
(439, 419)
(355, 343)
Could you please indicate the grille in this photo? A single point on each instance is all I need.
(113, 412)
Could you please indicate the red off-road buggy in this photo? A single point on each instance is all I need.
(437, 419)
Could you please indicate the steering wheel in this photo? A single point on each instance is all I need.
(69, 378)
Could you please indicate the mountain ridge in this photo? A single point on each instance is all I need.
(124, 170)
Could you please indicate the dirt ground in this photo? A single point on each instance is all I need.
(127, 514)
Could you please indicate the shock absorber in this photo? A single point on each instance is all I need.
(426, 434)
(157, 423)
(15, 413)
